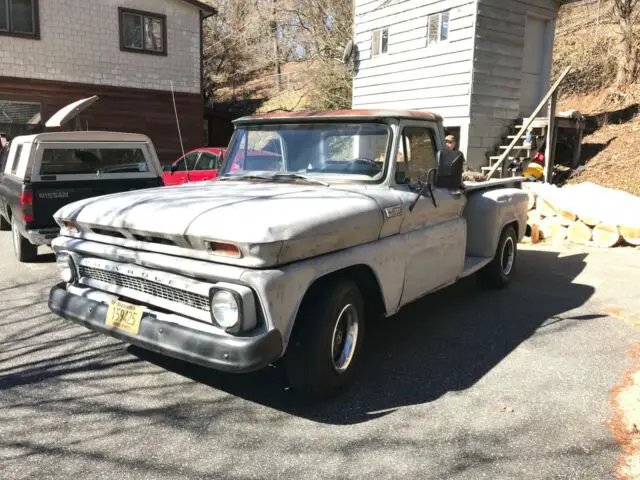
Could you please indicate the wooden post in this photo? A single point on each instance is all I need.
(550, 152)
(578, 149)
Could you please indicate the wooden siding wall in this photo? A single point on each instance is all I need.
(411, 75)
(149, 112)
(499, 49)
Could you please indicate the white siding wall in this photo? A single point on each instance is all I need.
(80, 42)
(495, 96)
(411, 75)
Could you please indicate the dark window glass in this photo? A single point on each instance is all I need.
(22, 16)
(142, 31)
(92, 161)
(191, 159)
(4, 15)
(208, 161)
(132, 25)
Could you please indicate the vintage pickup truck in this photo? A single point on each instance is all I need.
(356, 214)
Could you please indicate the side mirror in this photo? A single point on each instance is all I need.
(220, 162)
(450, 165)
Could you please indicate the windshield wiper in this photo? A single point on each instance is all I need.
(295, 176)
(276, 177)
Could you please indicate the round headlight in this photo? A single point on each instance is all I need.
(66, 267)
(225, 309)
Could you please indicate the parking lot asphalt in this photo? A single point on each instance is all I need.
(464, 384)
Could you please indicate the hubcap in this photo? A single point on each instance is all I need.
(508, 256)
(345, 337)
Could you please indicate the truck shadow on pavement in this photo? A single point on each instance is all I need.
(443, 343)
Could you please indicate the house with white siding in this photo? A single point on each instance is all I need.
(130, 53)
(481, 64)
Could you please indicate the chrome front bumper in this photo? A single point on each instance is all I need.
(228, 353)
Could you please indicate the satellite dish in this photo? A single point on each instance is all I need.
(348, 51)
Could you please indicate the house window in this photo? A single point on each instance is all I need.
(438, 28)
(19, 18)
(143, 32)
(379, 41)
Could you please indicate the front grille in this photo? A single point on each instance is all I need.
(200, 302)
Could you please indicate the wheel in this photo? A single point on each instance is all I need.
(326, 343)
(4, 225)
(24, 250)
(499, 272)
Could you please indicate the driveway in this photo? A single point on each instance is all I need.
(464, 384)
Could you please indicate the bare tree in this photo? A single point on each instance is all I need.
(627, 14)
(250, 40)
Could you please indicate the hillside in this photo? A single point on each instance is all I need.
(586, 39)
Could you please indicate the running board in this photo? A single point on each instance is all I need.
(473, 264)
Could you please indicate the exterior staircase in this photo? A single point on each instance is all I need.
(519, 152)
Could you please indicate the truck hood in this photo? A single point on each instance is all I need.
(271, 223)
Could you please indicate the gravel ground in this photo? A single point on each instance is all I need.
(464, 384)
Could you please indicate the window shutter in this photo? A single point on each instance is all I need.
(375, 43)
(433, 29)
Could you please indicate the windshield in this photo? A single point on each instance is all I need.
(357, 150)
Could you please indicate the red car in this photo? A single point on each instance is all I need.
(195, 166)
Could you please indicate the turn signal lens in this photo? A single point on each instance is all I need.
(223, 249)
(71, 227)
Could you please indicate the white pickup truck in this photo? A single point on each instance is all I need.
(318, 223)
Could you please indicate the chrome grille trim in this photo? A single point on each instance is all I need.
(149, 287)
(175, 293)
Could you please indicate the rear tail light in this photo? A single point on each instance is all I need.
(26, 205)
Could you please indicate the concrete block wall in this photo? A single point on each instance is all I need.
(80, 42)
(485, 135)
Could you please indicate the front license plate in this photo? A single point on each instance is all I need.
(124, 316)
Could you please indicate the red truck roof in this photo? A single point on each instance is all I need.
(368, 114)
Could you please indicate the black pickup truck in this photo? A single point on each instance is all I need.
(42, 173)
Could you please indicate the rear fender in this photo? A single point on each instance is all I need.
(488, 212)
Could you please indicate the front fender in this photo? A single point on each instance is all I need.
(284, 289)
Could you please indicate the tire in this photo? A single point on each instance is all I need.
(4, 225)
(25, 251)
(331, 313)
(499, 272)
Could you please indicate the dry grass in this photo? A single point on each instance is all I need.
(613, 159)
(616, 163)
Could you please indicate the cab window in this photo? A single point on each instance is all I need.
(416, 155)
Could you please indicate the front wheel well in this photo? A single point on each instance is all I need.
(515, 226)
(366, 280)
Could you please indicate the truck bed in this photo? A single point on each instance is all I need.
(494, 183)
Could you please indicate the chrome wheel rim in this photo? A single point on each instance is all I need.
(508, 256)
(344, 339)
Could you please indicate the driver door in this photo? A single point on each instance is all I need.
(434, 232)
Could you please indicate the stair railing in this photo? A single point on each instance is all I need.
(528, 123)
